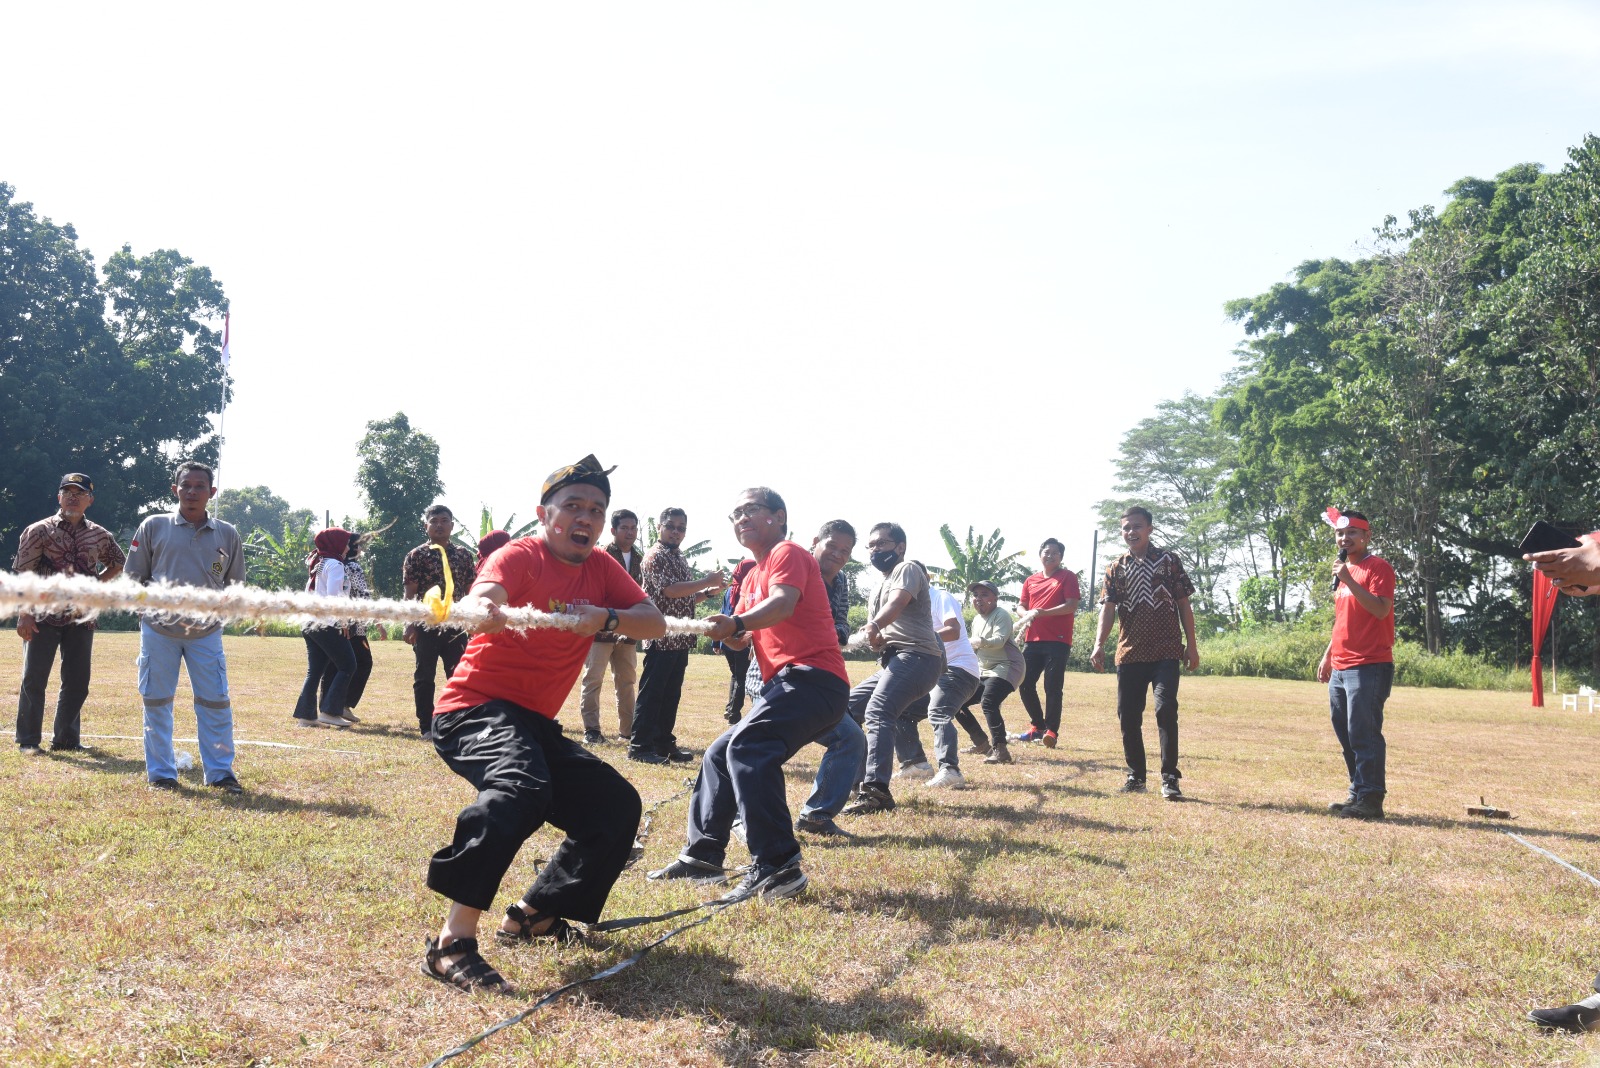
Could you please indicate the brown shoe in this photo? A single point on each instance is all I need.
(998, 755)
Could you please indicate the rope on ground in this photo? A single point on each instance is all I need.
(1546, 853)
(42, 595)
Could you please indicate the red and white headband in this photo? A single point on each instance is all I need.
(1340, 522)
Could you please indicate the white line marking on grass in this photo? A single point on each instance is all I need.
(1552, 856)
(236, 741)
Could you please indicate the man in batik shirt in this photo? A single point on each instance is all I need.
(422, 570)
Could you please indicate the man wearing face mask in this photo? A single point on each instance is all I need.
(900, 630)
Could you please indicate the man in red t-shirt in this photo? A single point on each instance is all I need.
(1049, 605)
(495, 726)
(783, 609)
(1359, 664)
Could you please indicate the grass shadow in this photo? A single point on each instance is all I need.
(944, 912)
(1443, 823)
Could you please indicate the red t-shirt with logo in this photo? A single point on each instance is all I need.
(536, 668)
(806, 637)
(1047, 591)
(1359, 637)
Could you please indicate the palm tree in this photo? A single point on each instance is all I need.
(486, 523)
(979, 560)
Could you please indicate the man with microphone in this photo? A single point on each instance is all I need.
(1359, 663)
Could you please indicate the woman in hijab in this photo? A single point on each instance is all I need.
(326, 644)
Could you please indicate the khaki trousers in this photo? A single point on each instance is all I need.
(624, 675)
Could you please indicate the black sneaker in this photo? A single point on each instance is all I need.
(593, 737)
(645, 756)
(68, 748)
(870, 797)
(165, 784)
(679, 755)
(1567, 1018)
(696, 871)
(769, 884)
(1133, 785)
(228, 784)
(732, 718)
(824, 826)
(1363, 808)
(1336, 807)
(1169, 788)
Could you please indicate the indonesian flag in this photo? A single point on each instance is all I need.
(226, 357)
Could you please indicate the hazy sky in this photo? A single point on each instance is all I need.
(923, 262)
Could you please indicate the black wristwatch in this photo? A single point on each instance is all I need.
(738, 627)
(611, 621)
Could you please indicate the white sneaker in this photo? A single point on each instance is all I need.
(308, 723)
(331, 721)
(947, 779)
(346, 718)
(917, 772)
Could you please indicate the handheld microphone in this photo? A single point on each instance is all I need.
(1343, 556)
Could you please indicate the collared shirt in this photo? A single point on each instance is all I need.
(1146, 593)
(423, 568)
(665, 566)
(168, 548)
(632, 565)
(55, 546)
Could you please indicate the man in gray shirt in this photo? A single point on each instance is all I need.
(900, 629)
(186, 548)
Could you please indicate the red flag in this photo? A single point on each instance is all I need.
(1544, 605)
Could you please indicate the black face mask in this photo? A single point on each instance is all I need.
(885, 559)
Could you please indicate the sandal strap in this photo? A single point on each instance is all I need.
(559, 931)
(470, 971)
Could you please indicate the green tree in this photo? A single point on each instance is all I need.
(254, 508)
(398, 478)
(136, 353)
(279, 562)
(979, 559)
(486, 523)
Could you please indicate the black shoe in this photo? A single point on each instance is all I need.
(229, 784)
(679, 755)
(732, 718)
(769, 884)
(870, 797)
(696, 871)
(1133, 785)
(645, 756)
(68, 748)
(1363, 808)
(30, 750)
(165, 784)
(1169, 788)
(1567, 1018)
(824, 826)
(593, 737)
(1336, 807)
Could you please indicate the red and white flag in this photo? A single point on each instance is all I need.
(226, 357)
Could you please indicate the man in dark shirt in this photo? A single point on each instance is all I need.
(64, 544)
(423, 569)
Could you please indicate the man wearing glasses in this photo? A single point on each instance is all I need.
(783, 610)
(64, 544)
(672, 585)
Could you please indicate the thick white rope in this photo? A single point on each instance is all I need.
(43, 595)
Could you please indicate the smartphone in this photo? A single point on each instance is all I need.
(1542, 537)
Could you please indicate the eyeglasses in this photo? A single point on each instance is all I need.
(676, 528)
(747, 511)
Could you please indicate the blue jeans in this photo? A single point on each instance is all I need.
(742, 771)
(838, 771)
(883, 698)
(159, 657)
(948, 696)
(325, 647)
(1356, 696)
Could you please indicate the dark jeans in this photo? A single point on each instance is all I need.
(738, 667)
(326, 647)
(358, 680)
(1050, 660)
(527, 774)
(1132, 681)
(1356, 696)
(992, 691)
(76, 642)
(660, 690)
(431, 647)
(742, 773)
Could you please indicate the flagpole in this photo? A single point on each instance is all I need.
(222, 418)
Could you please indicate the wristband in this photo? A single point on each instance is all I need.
(738, 627)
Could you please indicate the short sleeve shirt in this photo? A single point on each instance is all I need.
(1048, 591)
(958, 653)
(912, 629)
(54, 546)
(168, 548)
(1146, 593)
(423, 567)
(665, 566)
(1359, 637)
(807, 637)
(535, 669)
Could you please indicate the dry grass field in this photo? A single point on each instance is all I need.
(1039, 918)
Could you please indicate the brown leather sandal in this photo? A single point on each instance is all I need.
(560, 931)
(471, 972)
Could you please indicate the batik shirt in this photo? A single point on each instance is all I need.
(54, 546)
(665, 566)
(423, 568)
(1146, 593)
